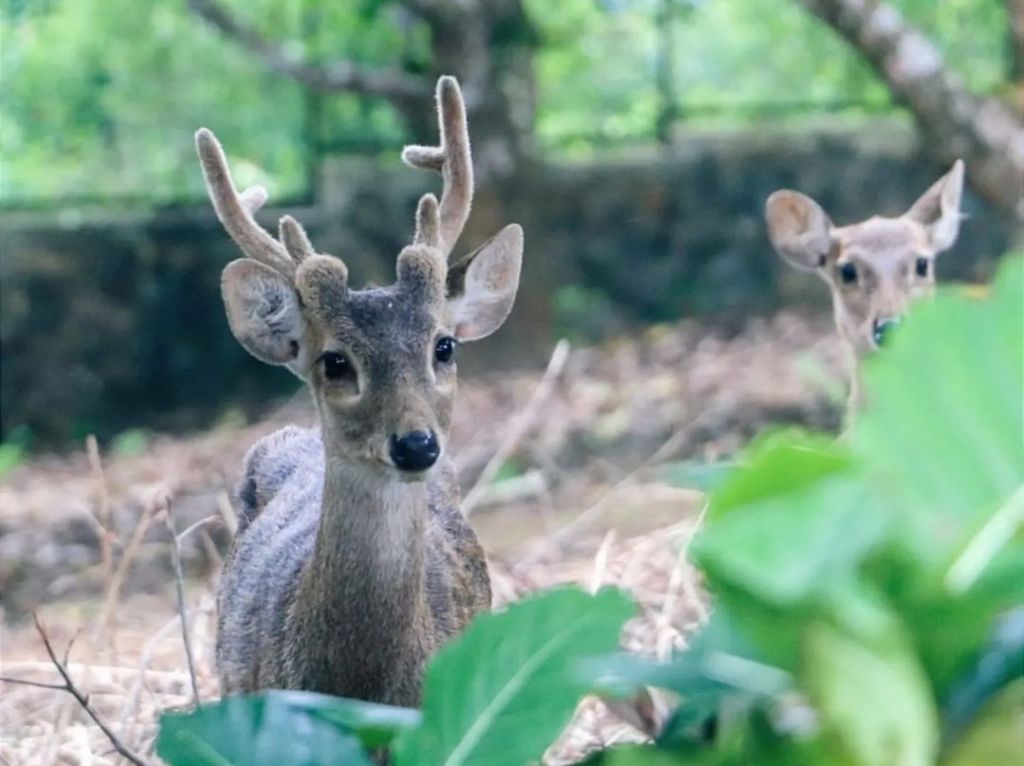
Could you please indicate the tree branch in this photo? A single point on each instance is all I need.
(954, 121)
(333, 77)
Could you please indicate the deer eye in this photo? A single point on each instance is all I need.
(921, 267)
(848, 273)
(444, 350)
(336, 366)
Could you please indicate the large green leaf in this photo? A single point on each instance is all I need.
(775, 465)
(873, 699)
(502, 692)
(943, 437)
(718, 661)
(789, 522)
(274, 728)
(996, 736)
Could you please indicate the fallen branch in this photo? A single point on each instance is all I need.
(179, 587)
(520, 426)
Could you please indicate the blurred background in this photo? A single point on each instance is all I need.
(636, 140)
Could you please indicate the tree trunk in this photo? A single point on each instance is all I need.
(1015, 24)
(953, 121)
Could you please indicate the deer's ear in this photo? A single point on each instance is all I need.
(263, 312)
(938, 209)
(482, 286)
(799, 229)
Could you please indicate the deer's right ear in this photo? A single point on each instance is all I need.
(938, 209)
(263, 312)
(482, 286)
(799, 229)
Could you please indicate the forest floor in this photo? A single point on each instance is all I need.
(570, 474)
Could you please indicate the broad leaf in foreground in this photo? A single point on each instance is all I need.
(873, 699)
(944, 433)
(503, 691)
(274, 728)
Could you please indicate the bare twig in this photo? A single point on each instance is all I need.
(132, 701)
(26, 682)
(201, 523)
(179, 586)
(333, 77)
(589, 515)
(520, 426)
(227, 513)
(103, 517)
(114, 591)
(83, 700)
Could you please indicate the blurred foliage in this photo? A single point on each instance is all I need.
(101, 96)
(868, 592)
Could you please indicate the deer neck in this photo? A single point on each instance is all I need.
(361, 605)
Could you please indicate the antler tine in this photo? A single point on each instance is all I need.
(294, 239)
(428, 222)
(452, 159)
(235, 210)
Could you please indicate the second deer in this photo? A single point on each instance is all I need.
(876, 268)
(352, 563)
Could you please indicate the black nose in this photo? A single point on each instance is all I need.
(882, 328)
(415, 451)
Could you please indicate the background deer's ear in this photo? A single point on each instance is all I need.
(799, 229)
(482, 286)
(263, 312)
(938, 209)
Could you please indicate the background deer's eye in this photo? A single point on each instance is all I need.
(445, 350)
(848, 273)
(921, 267)
(336, 366)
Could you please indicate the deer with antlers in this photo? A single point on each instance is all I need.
(352, 562)
(876, 268)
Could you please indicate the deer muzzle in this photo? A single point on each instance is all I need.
(415, 451)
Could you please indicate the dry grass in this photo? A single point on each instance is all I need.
(585, 504)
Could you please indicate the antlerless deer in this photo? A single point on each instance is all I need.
(875, 269)
(352, 561)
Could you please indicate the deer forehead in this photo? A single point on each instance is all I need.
(883, 243)
(380, 320)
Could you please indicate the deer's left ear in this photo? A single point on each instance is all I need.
(938, 209)
(482, 286)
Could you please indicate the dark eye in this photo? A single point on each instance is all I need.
(444, 350)
(848, 273)
(336, 366)
(921, 267)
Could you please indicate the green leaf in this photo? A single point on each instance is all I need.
(943, 437)
(639, 755)
(873, 699)
(777, 464)
(279, 728)
(997, 736)
(503, 691)
(718, 659)
(787, 549)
